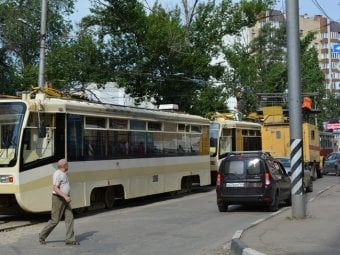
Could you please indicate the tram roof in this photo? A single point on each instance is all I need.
(83, 107)
(237, 123)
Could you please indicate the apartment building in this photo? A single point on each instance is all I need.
(327, 42)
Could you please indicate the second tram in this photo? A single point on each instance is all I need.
(231, 135)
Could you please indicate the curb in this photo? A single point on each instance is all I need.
(238, 247)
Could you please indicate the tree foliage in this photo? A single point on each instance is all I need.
(156, 54)
(261, 67)
(74, 63)
(152, 52)
(20, 36)
(331, 107)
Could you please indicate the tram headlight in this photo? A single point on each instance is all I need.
(6, 179)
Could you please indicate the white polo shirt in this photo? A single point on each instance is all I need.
(60, 179)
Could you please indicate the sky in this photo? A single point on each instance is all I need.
(330, 8)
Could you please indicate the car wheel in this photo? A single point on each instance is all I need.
(223, 207)
(274, 206)
(337, 172)
(309, 188)
(318, 172)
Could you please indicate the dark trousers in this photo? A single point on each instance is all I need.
(59, 208)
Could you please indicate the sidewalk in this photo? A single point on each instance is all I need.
(318, 233)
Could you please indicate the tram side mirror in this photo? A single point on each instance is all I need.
(41, 129)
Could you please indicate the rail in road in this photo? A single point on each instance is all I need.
(13, 222)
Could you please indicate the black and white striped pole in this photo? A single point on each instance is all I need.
(295, 110)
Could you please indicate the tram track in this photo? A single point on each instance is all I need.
(10, 223)
(14, 222)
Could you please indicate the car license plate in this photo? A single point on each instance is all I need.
(235, 184)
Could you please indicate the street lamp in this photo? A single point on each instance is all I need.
(41, 79)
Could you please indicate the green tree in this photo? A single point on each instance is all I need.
(211, 99)
(20, 35)
(157, 55)
(261, 67)
(312, 78)
(74, 63)
(330, 108)
(6, 72)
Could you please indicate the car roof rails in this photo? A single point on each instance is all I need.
(264, 154)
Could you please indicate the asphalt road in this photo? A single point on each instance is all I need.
(189, 225)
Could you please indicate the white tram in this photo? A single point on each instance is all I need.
(113, 152)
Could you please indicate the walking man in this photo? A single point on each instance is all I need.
(60, 205)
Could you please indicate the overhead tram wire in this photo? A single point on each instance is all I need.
(315, 2)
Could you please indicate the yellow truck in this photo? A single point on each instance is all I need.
(276, 138)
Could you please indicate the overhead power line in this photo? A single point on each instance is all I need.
(316, 3)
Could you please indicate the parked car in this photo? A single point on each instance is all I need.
(307, 182)
(332, 163)
(252, 178)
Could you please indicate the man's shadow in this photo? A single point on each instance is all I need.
(85, 236)
(79, 238)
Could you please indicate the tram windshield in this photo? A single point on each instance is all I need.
(214, 133)
(11, 118)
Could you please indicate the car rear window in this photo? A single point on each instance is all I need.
(235, 167)
(250, 166)
(254, 166)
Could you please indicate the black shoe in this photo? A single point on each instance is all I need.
(42, 241)
(72, 243)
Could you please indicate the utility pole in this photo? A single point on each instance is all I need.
(295, 111)
(41, 79)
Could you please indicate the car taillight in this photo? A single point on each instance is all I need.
(218, 181)
(266, 178)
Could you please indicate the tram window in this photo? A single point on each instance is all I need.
(95, 144)
(225, 145)
(187, 128)
(245, 132)
(154, 126)
(138, 143)
(312, 135)
(118, 143)
(195, 129)
(75, 146)
(137, 125)
(278, 134)
(154, 143)
(172, 127)
(36, 147)
(95, 122)
(226, 132)
(183, 141)
(118, 124)
(251, 132)
(170, 143)
(181, 127)
(195, 143)
(115, 145)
